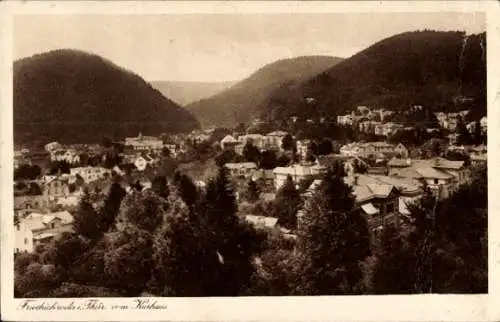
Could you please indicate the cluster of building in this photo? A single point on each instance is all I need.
(375, 149)
(383, 198)
(270, 141)
(382, 195)
(378, 122)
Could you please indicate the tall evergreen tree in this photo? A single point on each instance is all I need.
(111, 206)
(287, 143)
(287, 204)
(394, 270)
(333, 240)
(252, 191)
(478, 137)
(86, 220)
(251, 153)
(160, 187)
(182, 253)
(464, 136)
(233, 241)
(186, 188)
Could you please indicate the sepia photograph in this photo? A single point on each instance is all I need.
(248, 154)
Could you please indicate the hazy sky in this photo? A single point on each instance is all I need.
(220, 47)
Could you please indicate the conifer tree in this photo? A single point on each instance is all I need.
(186, 188)
(111, 206)
(181, 254)
(394, 270)
(160, 187)
(333, 240)
(252, 191)
(86, 220)
(251, 153)
(233, 242)
(287, 203)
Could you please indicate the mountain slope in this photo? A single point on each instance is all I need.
(72, 96)
(184, 93)
(426, 68)
(243, 100)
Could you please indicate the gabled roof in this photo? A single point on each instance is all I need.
(370, 191)
(241, 165)
(370, 209)
(314, 185)
(431, 173)
(228, 139)
(381, 190)
(479, 157)
(47, 219)
(397, 162)
(277, 133)
(262, 220)
(298, 169)
(442, 163)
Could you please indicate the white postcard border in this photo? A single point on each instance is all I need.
(370, 308)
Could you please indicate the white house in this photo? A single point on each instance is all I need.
(144, 143)
(70, 156)
(484, 124)
(385, 129)
(275, 139)
(90, 174)
(262, 221)
(441, 175)
(257, 140)
(345, 119)
(228, 142)
(303, 148)
(297, 172)
(36, 228)
(23, 238)
(242, 169)
(140, 163)
(52, 146)
(373, 148)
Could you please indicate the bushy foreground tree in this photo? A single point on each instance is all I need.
(287, 203)
(144, 242)
(444, 249)
(333, 240)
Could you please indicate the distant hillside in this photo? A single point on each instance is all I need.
(244, 100)
(426, 68)
(72, 96)
(184, 93)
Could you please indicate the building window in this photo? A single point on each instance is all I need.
(435, 181)
(26, 241)
(18, 227)
(390, 208)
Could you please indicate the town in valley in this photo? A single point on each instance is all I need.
(326, 190)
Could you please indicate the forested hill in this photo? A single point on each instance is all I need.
(73, 96)
(425, 68)
(244, 100)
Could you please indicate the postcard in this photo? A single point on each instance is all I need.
(250, 161)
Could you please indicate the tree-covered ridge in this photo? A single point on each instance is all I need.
(429, 68)
(242, 101)
(75, 97)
